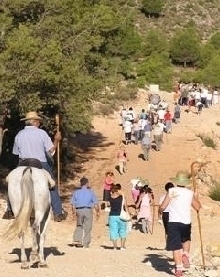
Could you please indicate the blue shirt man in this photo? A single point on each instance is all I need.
(32, 142)
(83, 201)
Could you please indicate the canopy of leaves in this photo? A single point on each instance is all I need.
(152, 7)
(206, 53)
(156, 69)
(210, 74)
(61, 53)
(185, 46)
(215, 40)
(155, 41)
(58, 55)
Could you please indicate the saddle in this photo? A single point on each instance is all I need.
(37, 164)
(30, 162)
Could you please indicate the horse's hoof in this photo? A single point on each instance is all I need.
(25, 266)
(43, 265)
(34, 258)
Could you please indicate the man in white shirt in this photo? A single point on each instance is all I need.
(180, 200)
(128, 129)
(197, 96)
(161, 114)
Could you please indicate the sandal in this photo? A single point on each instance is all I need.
(178, 273)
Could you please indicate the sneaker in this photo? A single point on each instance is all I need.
(123, 248)
(58, 217)
(185, 261)
(77, 244)
(178, 273)
(160, 221)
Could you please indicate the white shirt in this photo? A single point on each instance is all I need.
(180, 205)
(161, 114)
(130, 114)
(197, 95)
(127, 126)
(142, 123)
(123, 113)
(209, 96)
(204, 93)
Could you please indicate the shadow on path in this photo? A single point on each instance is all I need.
(159, 262)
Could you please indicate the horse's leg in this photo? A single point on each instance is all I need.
(42, 239)
(24, 263)
(34, 257)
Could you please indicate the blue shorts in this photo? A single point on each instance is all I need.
(117, 227)
(178, 233)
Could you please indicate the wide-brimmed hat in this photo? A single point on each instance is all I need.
(31, 115)
(182, 178)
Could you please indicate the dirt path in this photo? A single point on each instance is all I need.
(145, 254)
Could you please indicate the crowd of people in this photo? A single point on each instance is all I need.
(147, 128)
(174, 212)
(196, 95)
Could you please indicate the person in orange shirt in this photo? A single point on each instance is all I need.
(168, 121)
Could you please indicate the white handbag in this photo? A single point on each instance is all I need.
(124, 216)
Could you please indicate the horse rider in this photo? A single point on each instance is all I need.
(35, 144)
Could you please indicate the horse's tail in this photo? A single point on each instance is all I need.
(20, 223)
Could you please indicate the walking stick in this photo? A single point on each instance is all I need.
(193, 174)
(57, 119)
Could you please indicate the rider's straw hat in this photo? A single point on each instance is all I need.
(182, 178)
(31, 115)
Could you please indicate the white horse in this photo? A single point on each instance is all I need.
(28, 191)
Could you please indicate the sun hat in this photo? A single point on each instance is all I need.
(31, 115)
(182, 178)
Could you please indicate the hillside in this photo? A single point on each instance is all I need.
(204, 14)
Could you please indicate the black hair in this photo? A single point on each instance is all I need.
(145, 189)
(168, 186)
(118, 186)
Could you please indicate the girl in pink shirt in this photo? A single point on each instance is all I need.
(107, 185)
(146, 199)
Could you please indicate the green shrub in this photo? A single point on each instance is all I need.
(187, 76)
(207, 140)
(214, 193)
(106, 109)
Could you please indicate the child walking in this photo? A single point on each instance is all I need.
(122, 157)
(146, 199)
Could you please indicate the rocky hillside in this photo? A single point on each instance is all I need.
(204, 14)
